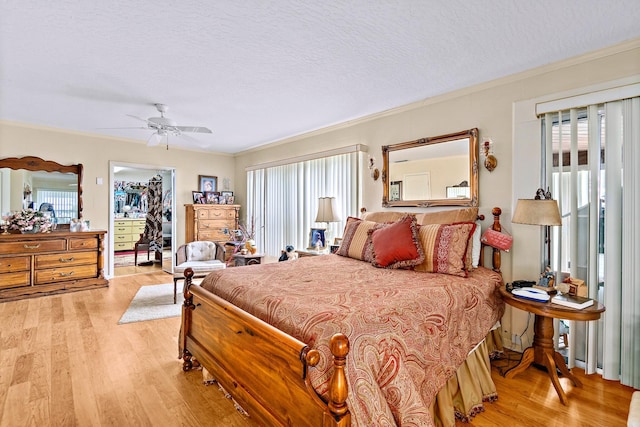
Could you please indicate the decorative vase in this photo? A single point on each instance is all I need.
(251, 246)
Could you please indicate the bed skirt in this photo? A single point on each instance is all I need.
(463, 396)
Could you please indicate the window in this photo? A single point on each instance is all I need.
(64, 203)
(282, 199)
(591, 158)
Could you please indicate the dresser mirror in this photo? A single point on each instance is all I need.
(42, 185)
(434, 171)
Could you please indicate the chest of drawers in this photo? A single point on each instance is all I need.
(211, 222)
(47, 263)
(126, 231)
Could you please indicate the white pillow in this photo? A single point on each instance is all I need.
(476, 245)
(200, 251)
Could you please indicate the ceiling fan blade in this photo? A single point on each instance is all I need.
(154, 139)
(138, 118)
(196, 129)
(136, 127)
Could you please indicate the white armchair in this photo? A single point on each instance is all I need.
(202, 257)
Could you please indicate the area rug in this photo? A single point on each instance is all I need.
(153, 302)
(125, 259)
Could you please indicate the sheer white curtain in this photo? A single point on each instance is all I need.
(592, 162)
(630, 295)
(283, 199)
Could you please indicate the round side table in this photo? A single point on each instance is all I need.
(542, 352)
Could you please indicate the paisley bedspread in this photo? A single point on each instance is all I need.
(408, 331)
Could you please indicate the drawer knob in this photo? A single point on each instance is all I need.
(66, 259)
(31, 246)
(66, 274)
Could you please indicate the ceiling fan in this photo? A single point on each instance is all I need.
(164, 126)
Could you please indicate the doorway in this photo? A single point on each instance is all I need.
(131, 184)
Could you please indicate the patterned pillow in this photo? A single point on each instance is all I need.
(397, 245)
(201, 251)
(356, 242)
(445, 247)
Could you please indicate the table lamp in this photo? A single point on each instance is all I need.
(327, 211)
(542, 210)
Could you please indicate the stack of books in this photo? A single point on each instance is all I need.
(572, 301)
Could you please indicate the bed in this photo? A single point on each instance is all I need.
(334, 341)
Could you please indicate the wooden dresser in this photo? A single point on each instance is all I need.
(49, 263)
(211, 222)
(126, 232)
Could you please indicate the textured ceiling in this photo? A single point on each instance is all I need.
(257, 71)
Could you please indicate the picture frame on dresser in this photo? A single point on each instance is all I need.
(198, 197)
(227, 196)
(207, 183)
(212, 197)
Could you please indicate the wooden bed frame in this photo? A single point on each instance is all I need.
(261, 367)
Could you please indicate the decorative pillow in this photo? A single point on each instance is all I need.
(496, 239)
(451, 216)
(445, 247)
(200, 251)
(397, 245)
(356, 242)
(476, 245)
(383, 216)
(473, 249)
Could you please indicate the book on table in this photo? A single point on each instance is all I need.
(572, 301)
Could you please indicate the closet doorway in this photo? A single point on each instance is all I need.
(141, 206)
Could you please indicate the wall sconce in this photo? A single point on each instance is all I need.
(490, 162)
(374, 172)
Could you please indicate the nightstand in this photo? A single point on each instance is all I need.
(248, 259)
(542, 351)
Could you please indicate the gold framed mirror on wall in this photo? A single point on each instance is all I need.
(434, 171)
(34, 176)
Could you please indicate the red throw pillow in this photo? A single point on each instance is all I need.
(397, 245)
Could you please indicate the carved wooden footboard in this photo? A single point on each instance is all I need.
(263, 368)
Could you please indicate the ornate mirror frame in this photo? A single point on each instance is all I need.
(422, 143)
(36, 164)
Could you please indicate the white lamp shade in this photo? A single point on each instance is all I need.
(326, 210)
(537, 212)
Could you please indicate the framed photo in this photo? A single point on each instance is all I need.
(198, 197)
(227, 196)
(395, 190)
(212, 197)
(317, 239)
(337, 241)
(207, 183)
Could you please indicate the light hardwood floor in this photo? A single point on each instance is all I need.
(65, 361)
